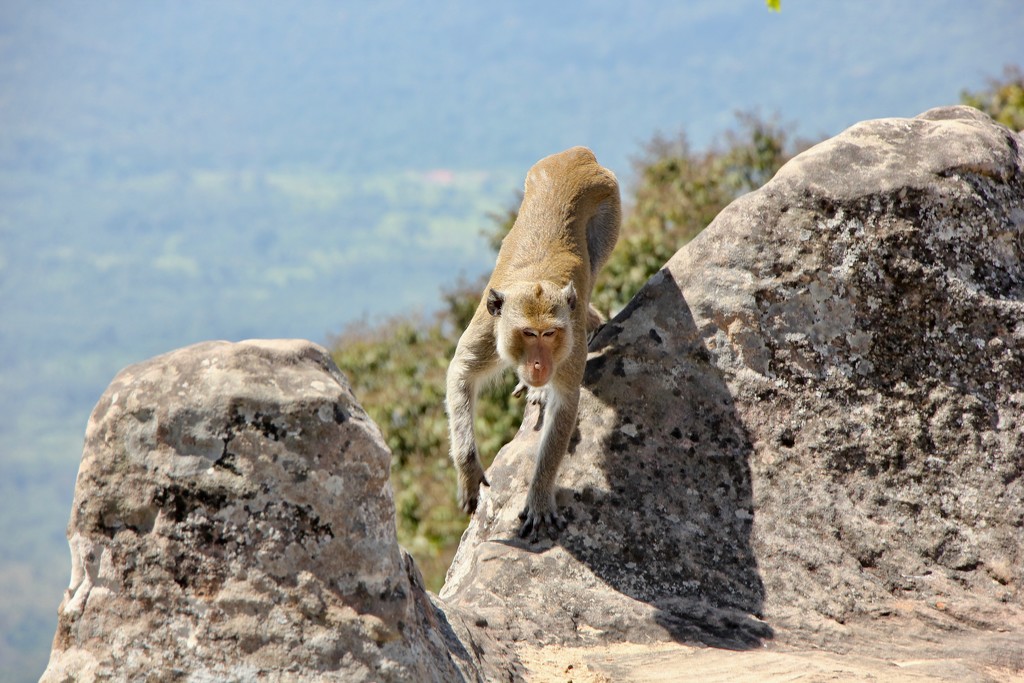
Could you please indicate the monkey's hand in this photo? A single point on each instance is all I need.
(469, 487)
(538, 518)
(519, 390)
(534, 395)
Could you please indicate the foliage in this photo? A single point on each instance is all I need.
(1003, 100)
(678, 193)
(397, 368)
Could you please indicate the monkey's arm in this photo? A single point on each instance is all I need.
(465, 373)
(541, 512)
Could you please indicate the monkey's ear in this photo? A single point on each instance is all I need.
(569, 292)
(495, 300)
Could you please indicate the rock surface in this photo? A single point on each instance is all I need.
(233, 521)
(806, 431)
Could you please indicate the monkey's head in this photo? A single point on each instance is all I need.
(534, 329)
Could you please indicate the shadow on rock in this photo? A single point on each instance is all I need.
(657, 490)
(672, 526)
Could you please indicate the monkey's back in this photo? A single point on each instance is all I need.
(548, 240)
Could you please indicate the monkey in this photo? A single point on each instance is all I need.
(534, 316)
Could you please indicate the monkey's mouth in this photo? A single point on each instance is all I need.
(536, 378)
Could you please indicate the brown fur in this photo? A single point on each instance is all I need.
(566, 228)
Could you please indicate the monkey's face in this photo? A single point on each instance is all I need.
(542, 351)
(534, 328)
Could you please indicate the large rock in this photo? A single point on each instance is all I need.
(233, 521)
(808, 428)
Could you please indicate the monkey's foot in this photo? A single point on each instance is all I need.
(469, 490)
(535, 521)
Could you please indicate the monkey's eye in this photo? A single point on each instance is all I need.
(550, 333)
(529, 333)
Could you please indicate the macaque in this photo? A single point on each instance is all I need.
(535, 315)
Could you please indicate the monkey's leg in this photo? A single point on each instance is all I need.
(541, 512)
(594, 319)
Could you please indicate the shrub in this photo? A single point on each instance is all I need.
(1003, 100)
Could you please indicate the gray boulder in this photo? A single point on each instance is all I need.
(233, 521)
(808, 428)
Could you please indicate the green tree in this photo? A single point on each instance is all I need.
(1003, 99)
